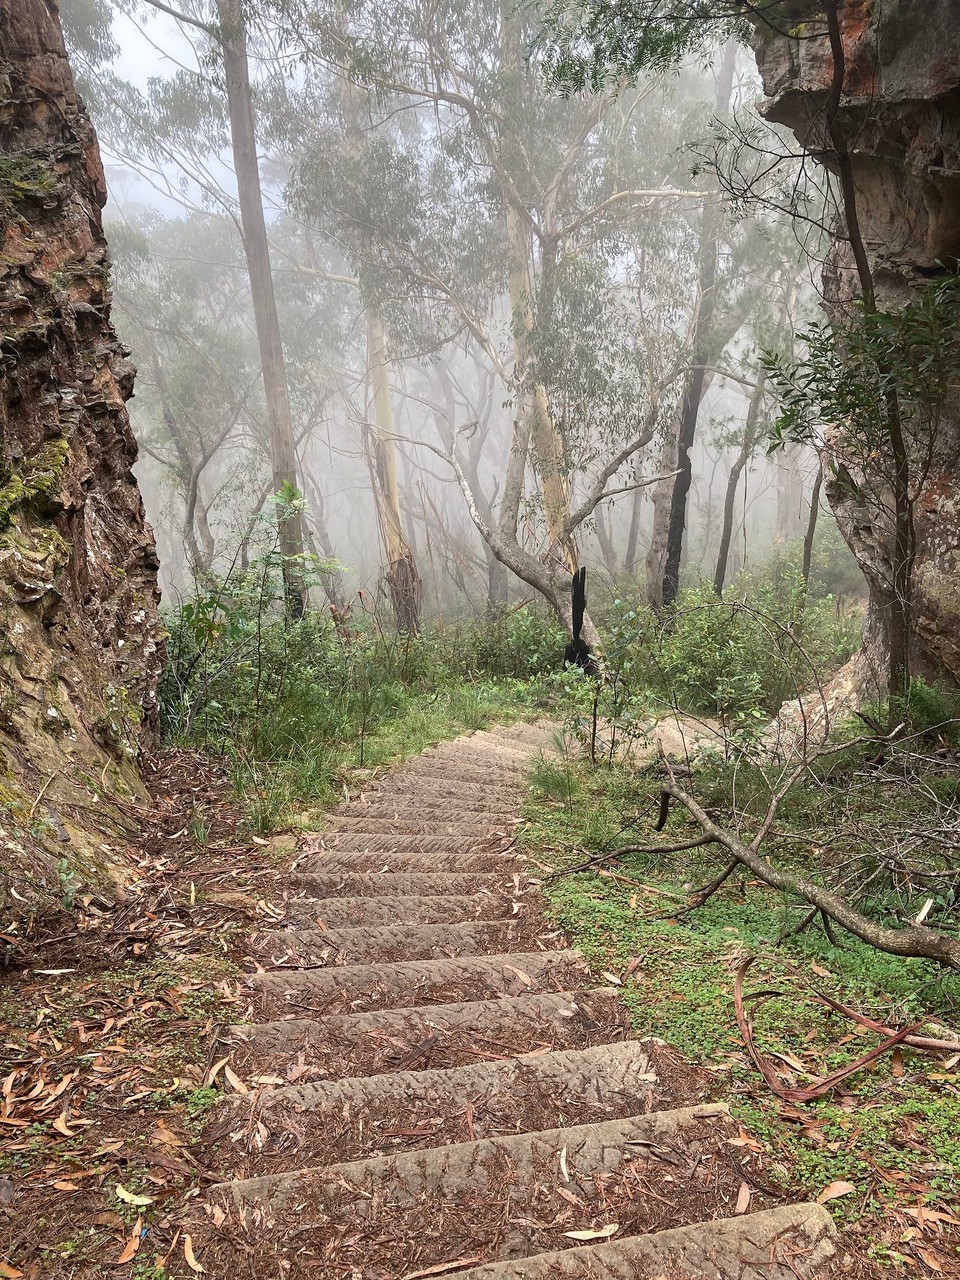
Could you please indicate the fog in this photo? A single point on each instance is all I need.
(496, 305)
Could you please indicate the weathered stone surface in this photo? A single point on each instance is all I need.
(80, 649)
(901, 115)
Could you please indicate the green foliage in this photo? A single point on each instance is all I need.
(737, 658)
(851, 365)
(24, 178)
(590, 44)
(930, 712)
(37, 478)
(296, 704)
(902, 1128)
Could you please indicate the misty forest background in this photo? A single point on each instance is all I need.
(503, 329)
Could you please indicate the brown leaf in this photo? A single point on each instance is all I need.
(130, 1197)
(192, 1262)
(743, 1198)
(132, 1245)
(10, 1273)
(215, 1071)
(570, 1197)
(931, 1259)
(835, 1190)
(524, 977)
(440, 1268)
(233, 1079)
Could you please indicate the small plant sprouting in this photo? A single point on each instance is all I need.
(69, 883)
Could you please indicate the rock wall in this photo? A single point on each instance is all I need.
(901, 115)
(80, 639)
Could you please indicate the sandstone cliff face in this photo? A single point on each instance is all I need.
(901, 116)
(80, 640)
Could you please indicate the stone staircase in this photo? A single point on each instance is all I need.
(438, 1087)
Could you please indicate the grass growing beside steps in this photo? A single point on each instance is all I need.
(891, 1132)
(300, 710)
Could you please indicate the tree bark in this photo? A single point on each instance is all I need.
(694, 389)
(633, 534)
(747, 445)
(403, 578)
(811, 531)
(911, 940)
(548, 447)
(243, 139)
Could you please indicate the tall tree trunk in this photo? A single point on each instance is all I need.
(403, 578)
(633, 535)
(607, 549)
(789, 495)
(321, 545)
(811, 531)
(548, 447)
(694, 388)
(243, 139)
(747, 444)
(662, 498)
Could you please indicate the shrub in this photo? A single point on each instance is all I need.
(737, 658)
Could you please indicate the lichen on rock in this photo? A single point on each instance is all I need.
(80, 638)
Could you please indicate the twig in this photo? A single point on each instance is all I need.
(599, 858)
(820, 1087)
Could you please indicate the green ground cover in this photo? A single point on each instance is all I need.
(892, 1130)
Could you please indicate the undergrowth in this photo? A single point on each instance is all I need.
(892, 1130)
(298, 706)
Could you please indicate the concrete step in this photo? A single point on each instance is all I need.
(419, 982)
(410, 1110)
(443, 1035)
(459, 861)
(349, 913)
(473, 1167)
(479, 767)
(541, 735)
(502, 1194)
(789, 1242)
(415, 801)
(434, 787)
(386, 822)
(391, 842)
(484, 754)
(389, 883)
(409, 941)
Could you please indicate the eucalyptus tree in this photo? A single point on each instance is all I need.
(178, 126)
(484, 210)
(182, 304)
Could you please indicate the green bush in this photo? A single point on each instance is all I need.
(737, 658)
(294, 704)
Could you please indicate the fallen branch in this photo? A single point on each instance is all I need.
(929, 1043)
(819, 1087)
(599, 858)
(910, 940)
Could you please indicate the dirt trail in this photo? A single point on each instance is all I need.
(443, 1089)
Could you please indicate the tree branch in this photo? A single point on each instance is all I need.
(211, 31)
(911, 940)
